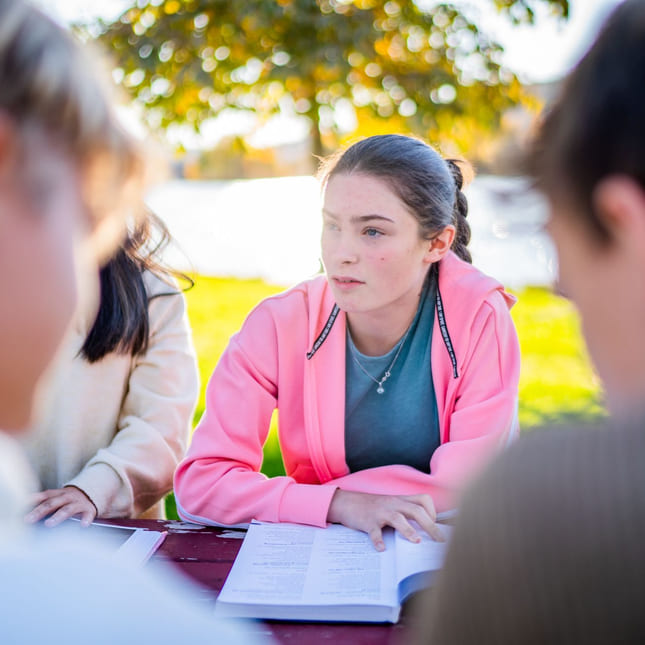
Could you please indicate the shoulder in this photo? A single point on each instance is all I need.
(166, 303)
(560, 514)
(469, 297)
(157, 284)
(458, 279)
(557, 472)
(294, 304)
(287, 321)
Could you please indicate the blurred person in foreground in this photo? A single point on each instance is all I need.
(62, 155)
(548, 547)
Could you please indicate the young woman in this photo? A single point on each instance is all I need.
(395, 375)
(548, 547)
(119, 406)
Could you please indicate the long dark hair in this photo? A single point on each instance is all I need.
(122, 324)
(596, 127)
(429, 185)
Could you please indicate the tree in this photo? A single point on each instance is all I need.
(425, 63)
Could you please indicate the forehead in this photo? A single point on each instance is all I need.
(358, 194)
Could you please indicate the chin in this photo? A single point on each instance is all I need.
(347, 305)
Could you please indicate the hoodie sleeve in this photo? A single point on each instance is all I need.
(478, 415)
(219, 482)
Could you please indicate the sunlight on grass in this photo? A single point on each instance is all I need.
(217, 308)
(557, 381)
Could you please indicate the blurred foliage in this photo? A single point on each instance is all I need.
(523, 11)
(425, 63)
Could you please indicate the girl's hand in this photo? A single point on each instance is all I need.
(370, 513)
(61, 504)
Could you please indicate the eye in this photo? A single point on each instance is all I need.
(372, 232)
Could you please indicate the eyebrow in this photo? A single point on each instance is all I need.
(361, 218)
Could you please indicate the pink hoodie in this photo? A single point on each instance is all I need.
(266, 365)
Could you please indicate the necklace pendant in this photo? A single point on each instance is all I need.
(380, 389)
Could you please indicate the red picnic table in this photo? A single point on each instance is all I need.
(206, 555)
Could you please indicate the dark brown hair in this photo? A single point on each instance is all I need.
(122, 324)
(596, 127)
(427, 184)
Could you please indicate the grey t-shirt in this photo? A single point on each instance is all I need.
(401, 425)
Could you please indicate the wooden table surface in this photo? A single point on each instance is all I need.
(206, 555)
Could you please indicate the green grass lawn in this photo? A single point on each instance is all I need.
(557, 381)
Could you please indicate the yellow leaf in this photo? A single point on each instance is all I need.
(172, 6)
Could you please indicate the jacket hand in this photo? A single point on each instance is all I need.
(370, 513)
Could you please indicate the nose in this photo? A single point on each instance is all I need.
(339, 248)
(345, 251)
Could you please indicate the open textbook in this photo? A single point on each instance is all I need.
(131, 545)
(334, 574)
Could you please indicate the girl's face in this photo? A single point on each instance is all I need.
(41, 220)
(374, 256)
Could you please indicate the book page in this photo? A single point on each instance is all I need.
(346, 568)
(424, 557)
(127, 544)
(140, 546)
(291, 564)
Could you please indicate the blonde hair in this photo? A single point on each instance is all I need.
(48, 85)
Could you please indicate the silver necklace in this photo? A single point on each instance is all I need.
(388, 372)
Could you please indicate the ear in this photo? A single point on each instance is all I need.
(439, 245)
(620, 203)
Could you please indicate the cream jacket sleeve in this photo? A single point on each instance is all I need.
(135, 469)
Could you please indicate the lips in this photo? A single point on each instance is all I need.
(346, 282)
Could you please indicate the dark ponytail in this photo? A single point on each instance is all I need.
(427, 184)
(460, 212)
